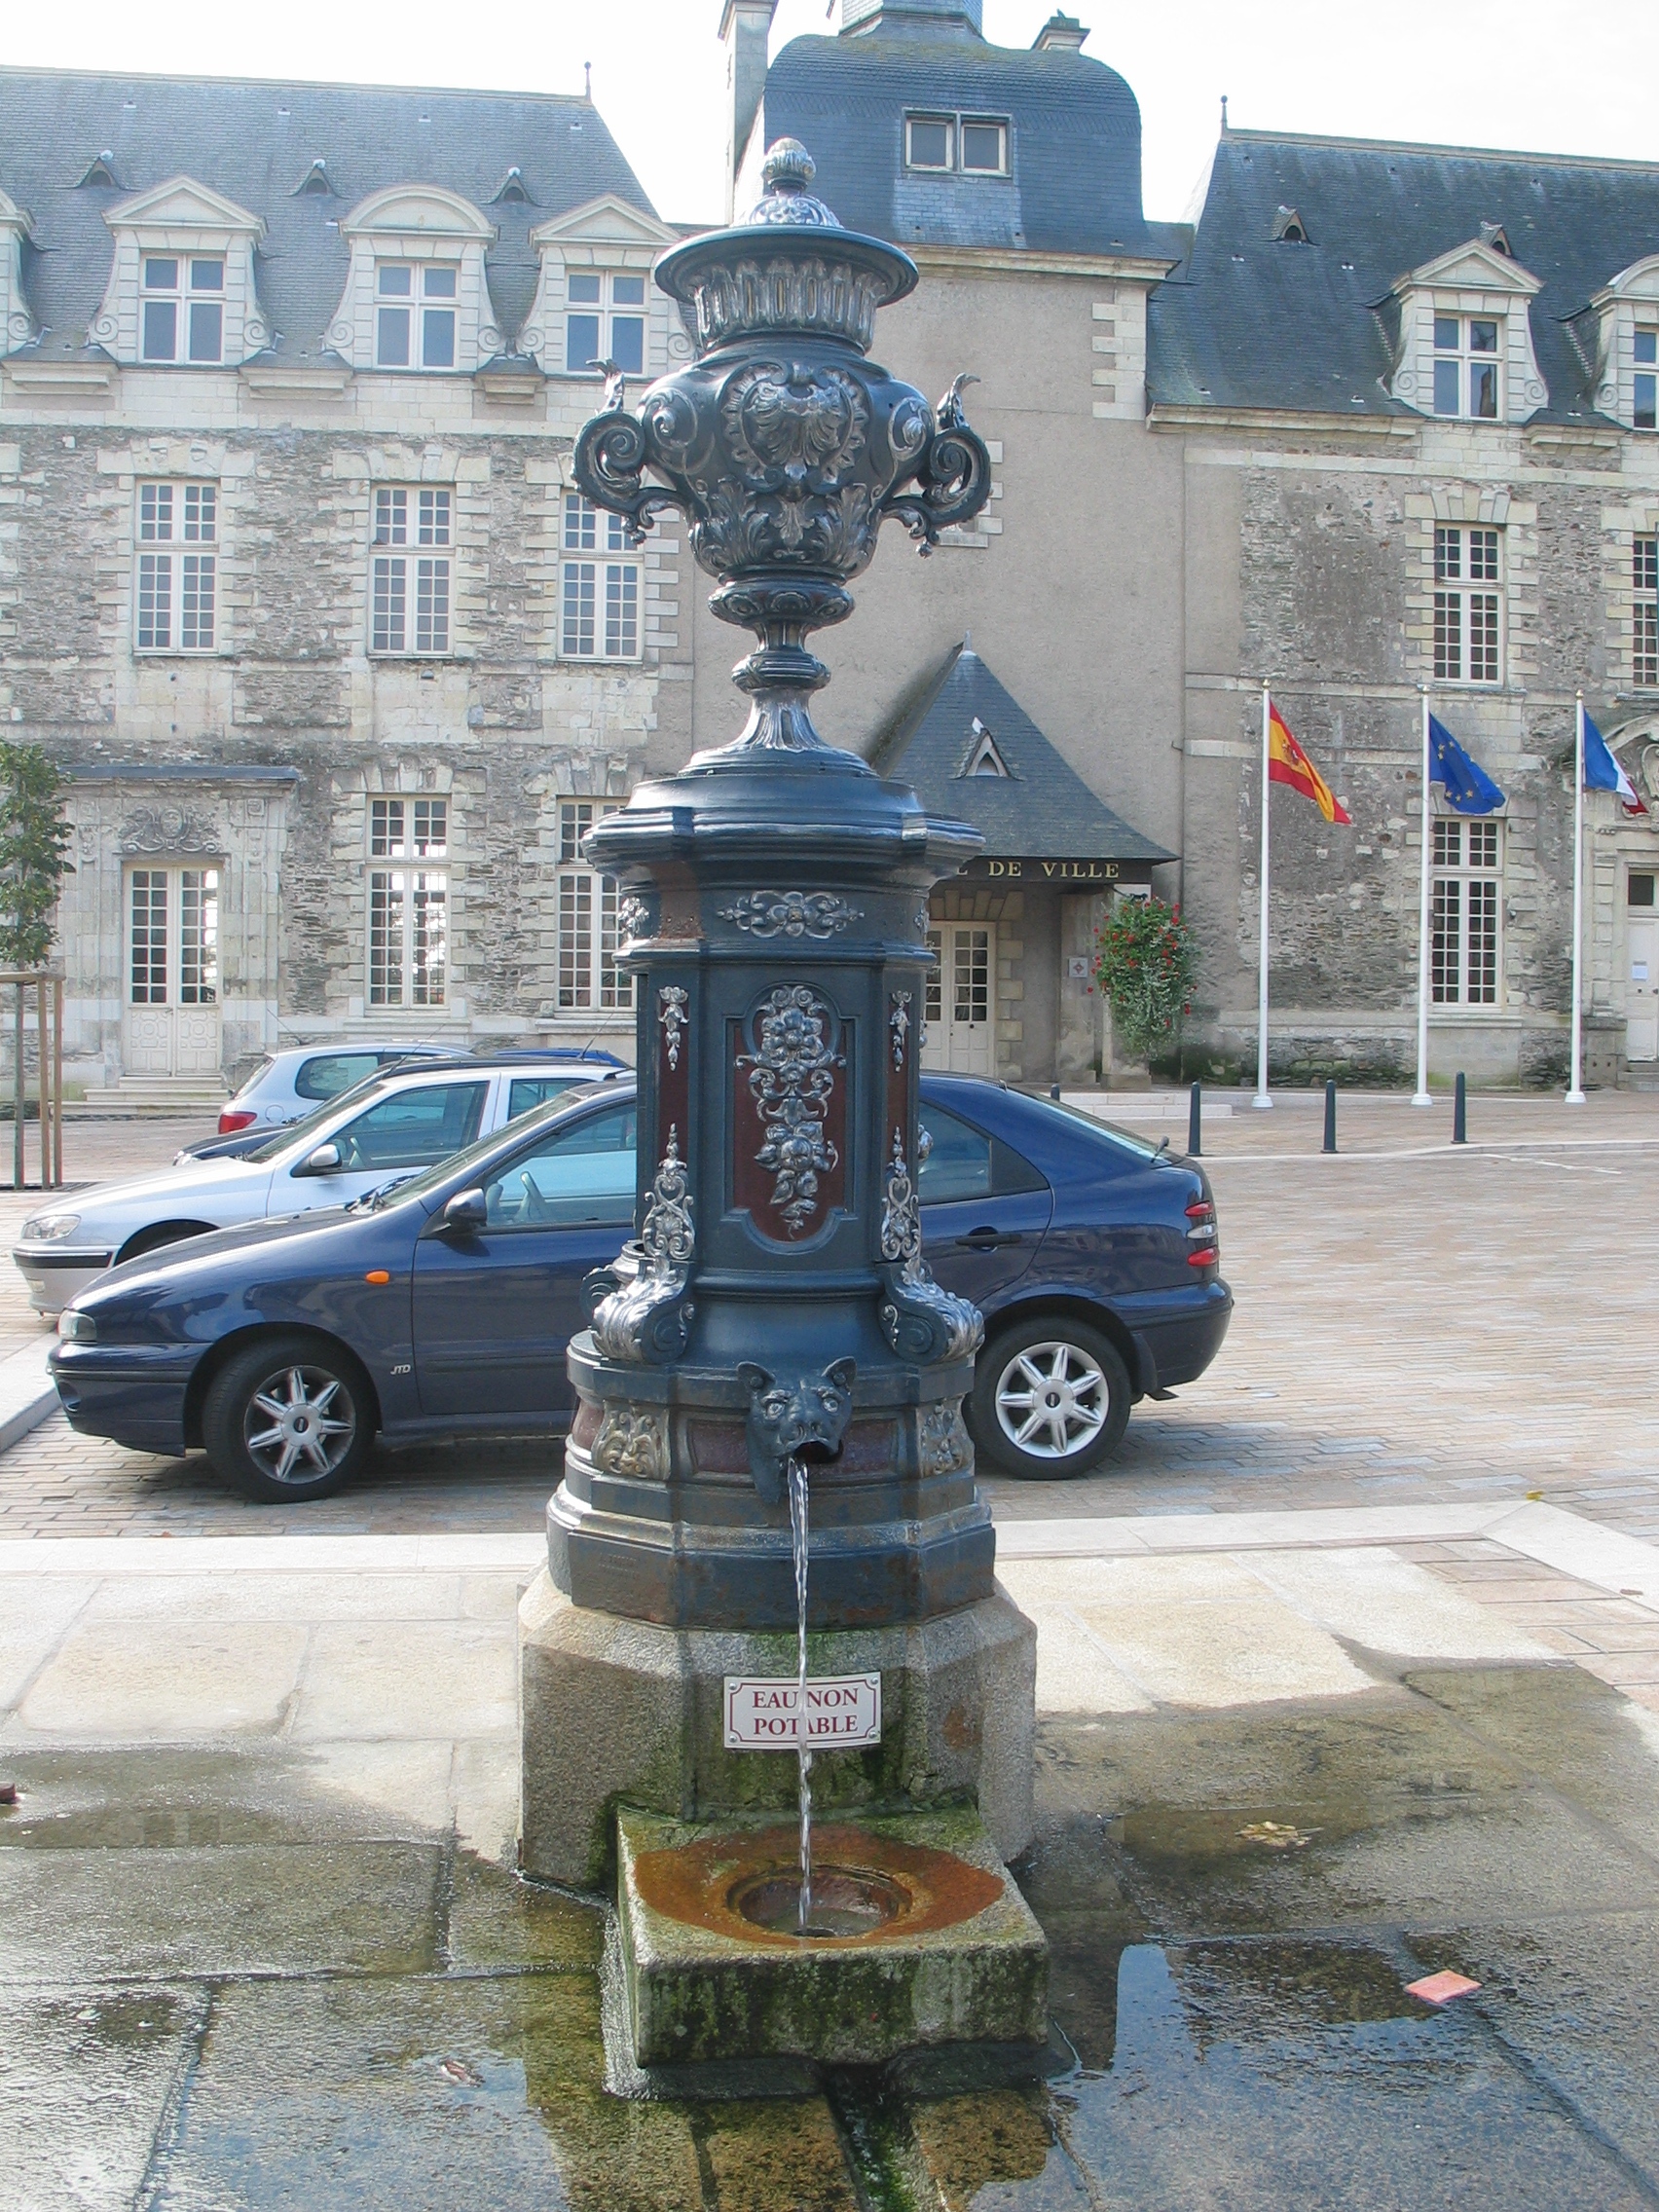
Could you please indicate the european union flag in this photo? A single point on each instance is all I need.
(1469, 790)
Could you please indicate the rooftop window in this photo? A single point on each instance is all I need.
(183, 309)
(1646, 417)
(972, 145)
(1466, 366)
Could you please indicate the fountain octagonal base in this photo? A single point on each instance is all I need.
(961, 1958)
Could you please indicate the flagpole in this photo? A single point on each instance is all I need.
(1261, 1098)
(1421, 1096)
(1575, 1096)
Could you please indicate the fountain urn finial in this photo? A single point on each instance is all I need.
(782, 443)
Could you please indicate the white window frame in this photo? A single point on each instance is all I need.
(602, 586)
(1645, 377)
(421, 300)
(1644, 610)
(1468, 627)
(412, 572)
(955, 162)
(407, 902)
(589, 979)
(176, 568)
(1469, 361)
(1466, 912)
(195, 297)
(617, 303)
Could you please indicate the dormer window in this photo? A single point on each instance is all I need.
(415, 316)
(183, 309)
(1289, 229)
(417, 293)
(976, 145)
(1467, 350)
(181, 283)
(606, 321)
(1646, 383)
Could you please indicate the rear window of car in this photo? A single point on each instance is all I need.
(963, 1163)
(529, 1090)
(1110, 1133)
(258, 1075)
(327, 1074)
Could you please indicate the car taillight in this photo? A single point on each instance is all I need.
(234, 1118)
(1201, 1233)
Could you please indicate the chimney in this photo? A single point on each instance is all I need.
(745, 30)
(1064, 32)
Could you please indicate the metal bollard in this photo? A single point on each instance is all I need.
(1461, 1112)
(1330, 1144)
(1053, 1090)
(1195, 1123)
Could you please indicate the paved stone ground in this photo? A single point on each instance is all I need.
(262, 1949)
(1415, 1323)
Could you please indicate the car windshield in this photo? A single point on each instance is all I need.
(455, 1168)
(295, 1132)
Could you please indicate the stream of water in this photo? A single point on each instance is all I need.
(797, 1544)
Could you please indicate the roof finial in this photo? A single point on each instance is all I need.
(587, 81)
(967, 640)
(1224, 115)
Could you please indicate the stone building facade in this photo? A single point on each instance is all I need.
(294, 579)
(292, 576)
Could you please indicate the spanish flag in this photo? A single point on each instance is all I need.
(1287, 763)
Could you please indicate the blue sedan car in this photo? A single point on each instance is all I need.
(442, 1307)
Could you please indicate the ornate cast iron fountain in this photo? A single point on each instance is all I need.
(775, 1303)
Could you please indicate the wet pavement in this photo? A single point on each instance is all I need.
(257, 1966)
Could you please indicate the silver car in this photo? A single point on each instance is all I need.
(406, 1120)
(294, 1081)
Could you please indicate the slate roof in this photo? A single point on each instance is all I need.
(1253, 321)
(1075, 182)
(255, 141)
(1042, 806)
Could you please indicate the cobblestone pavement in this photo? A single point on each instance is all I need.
(1430, 1325)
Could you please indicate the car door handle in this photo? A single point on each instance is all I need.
(987, 1239)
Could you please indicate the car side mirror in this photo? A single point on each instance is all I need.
(466, 1212)
(324, 1160)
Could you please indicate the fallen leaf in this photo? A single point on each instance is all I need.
(1278, 1835)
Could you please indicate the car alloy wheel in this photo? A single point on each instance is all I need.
(1051, 1399)
(293, 1427)
(288, 1418)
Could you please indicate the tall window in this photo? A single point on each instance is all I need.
(415, 314)
(183, 308)
(1466, 920)
(1645, 578)
(176, 583)
(409, 592)
(1466, 366)
(408, 900)
(154, 977)
(1467, 604)
(1646, 417)
(599, 598)
(605, 320)
(589, 978)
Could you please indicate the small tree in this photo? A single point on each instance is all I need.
(1146, 962)
(33, 853)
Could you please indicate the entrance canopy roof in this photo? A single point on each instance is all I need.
(973, 754)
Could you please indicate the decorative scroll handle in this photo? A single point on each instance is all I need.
(952, 480)
(609, 462)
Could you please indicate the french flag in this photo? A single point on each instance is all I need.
(1602, 773)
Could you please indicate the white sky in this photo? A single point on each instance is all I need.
(1518, 73)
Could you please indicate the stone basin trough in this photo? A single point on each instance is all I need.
(770, 1689)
